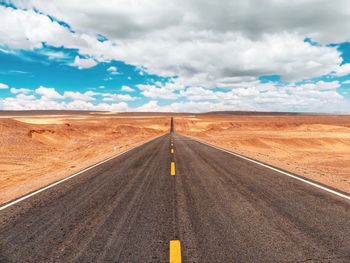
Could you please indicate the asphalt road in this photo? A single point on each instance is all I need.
(220, 207)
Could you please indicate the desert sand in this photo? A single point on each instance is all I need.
(40, 149)
(314, 146)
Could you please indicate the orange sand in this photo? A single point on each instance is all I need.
(317, 147)
(36, 151)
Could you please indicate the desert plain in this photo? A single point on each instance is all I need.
(37, 149)
(313, 146)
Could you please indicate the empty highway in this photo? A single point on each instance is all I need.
(176, 199)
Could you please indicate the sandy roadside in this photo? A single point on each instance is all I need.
(36, 151)
(316, 147)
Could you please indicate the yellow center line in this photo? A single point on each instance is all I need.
(175, 251)
(172, 168)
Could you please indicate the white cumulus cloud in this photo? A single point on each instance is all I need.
(20, 90)
(48, 93)
(200, 44)
(86, 96)
(343, 70)
(83, 63)
(117, 97)
(3, 86)
(113, 70)
(127, 89)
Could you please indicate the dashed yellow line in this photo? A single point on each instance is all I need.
(175, 251)
(172, 168)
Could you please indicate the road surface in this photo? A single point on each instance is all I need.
(218, 207)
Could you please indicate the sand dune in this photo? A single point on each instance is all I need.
(317, 147)
(35, 151)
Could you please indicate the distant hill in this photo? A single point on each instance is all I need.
(108, 113)
(46, 112)
(255, 113)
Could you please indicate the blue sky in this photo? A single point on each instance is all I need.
(111, 55)
(32, 69)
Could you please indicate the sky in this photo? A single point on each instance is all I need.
(176, 55)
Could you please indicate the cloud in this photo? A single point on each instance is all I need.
(127, 89)
(330, 85)
(25, 97)
(343, 70)
(83, 105)
(21, 90)
(151, 106)
(50, 99)
(83, 63)
(56, 55)
(330, 101)
(3, 86)
(308, 97)
(26, 29)
(157, 92)
(207, 58)
(117, 97)
(200, 43)
(317, 86)
(113, 70)
(24, 102)
(87, 96)
(198, 93)
(200, 46)
(191, 107)
(48, 93)
(122, 19)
